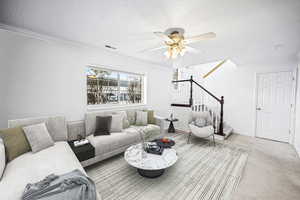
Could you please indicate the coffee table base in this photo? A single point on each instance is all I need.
(151, 173)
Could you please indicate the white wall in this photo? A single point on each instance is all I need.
(297, 124)
(237, 85)
(47, 77)
(3, 89)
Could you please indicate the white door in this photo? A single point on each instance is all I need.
(273, 108)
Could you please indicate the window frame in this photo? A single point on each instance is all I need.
(117, 105)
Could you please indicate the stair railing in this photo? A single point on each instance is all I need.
(220, 100)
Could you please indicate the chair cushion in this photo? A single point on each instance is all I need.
(200, 122)
(107, 143)
(205, 115)
(201, 132)
(32, 167)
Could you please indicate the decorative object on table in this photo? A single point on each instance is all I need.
(201, 126)
(154, 148)
(150, 165)
(84, 151)
(81, 142)
(171, 128)
(164, 142)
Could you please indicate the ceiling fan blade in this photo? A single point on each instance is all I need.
(197, 38)
(163, 36)
(153, 49)
(215, 68)
(191, 49)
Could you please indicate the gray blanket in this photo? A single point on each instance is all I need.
(74, 186)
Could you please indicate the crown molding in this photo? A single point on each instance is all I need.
(47, 38)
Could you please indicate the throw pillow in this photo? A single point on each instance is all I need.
(103, 124)
(38, 136)
(151, 119)
(15, 142)
(141, 118)
(131, 116)
(2, 158)
(116, 123)
(125, 119)
(200, 122)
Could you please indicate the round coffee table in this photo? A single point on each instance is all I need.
(147, 164)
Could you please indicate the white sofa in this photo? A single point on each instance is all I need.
(109, 145)
(32, 167)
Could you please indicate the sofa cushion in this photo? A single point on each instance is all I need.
(15, 142)
(33, 167)
(131, 116)
(90, 121)
(106, 143)
(151, 119)
(103, 125)
(149, 131)
(116, 123)
(126, 123)
(56, 126)
(141, 118)
(38, 137)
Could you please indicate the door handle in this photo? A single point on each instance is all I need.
(258, 108)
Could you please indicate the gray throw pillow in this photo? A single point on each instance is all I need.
(103, 124)
(38, 137)
(141, 118)
(200, 122)
(2, 158)
(116, 123)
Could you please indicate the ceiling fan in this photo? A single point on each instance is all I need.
(176, 43)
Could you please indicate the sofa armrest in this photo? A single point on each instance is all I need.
(160, 121)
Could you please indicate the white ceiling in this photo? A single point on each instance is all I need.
(262, 32)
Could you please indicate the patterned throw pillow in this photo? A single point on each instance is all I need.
(201, 122)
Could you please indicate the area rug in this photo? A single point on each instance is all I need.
(202, 171)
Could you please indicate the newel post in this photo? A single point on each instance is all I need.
(221, 116)
(191, 91)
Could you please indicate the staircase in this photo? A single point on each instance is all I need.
(210, 103)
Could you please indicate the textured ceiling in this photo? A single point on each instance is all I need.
(248, 31)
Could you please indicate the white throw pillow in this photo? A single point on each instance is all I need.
(2, 158)
(38, 137)
(125, 119)
(116, 123)
(141, 118)
(200, 122)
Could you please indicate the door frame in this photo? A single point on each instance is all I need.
(293, 93)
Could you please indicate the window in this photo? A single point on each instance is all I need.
(106, 86)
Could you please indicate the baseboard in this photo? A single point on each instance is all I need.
(297, 150)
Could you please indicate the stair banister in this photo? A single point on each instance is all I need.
(221, 101)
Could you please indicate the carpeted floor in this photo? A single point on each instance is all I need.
(202, 172)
